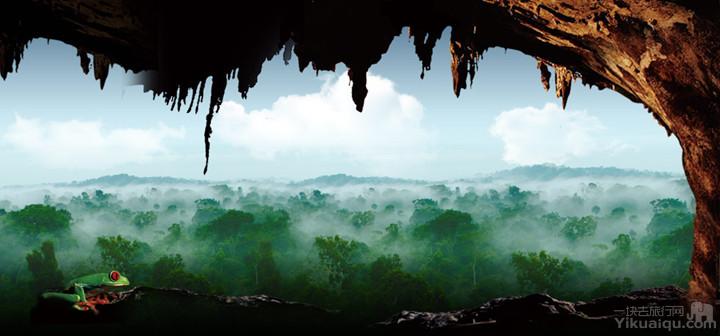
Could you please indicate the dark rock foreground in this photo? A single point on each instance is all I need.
(146, 309)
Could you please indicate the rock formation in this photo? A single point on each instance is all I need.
(541, 314)
(145, 309)
(177, 310)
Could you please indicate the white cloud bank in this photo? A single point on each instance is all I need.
(87, 144)
(389, 131)
(550, 135)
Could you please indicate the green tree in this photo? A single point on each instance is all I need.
(206, 203)
(272, 220)
(103, 199)
(668, 214)
(38, 219)
(440, 269)
(551, 220)
(223, 190)
(389, 209)
(467, 201)
(144, 219)
(304, 203)
(207, 209)
(174, 234)
(384, 265)
(449, 224)
(578, 228)
(515, 202)
(362, 219)
(623, 244)
(540, 272)
(120, 253)
(664, 204)
(169, 272)
(425, 209)
(392, 233)
(175, 231)
(339, 257)
(671, 253)
(391, 289)
(266, 274)
(44, 268)
(617, 213)
(229, 224)
(516, 196)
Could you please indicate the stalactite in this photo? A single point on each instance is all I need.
(287, 51)
(84, 60)
(358, 78)
(201, 95)
(424, 41)
(563, 83)
(457, 67)
(182, 96)
(217, 90)
(101, 68)
(11, 52)
(192, 100)
(466, 47)
(544, 74)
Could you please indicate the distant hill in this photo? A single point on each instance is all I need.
(339, 180)
(524, 173)
(121, 180)
(551, 172)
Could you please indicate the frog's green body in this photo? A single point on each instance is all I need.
(90, 282)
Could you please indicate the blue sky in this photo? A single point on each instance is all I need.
(57, 125)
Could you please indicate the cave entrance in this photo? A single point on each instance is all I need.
(484, 131)
(660, 53)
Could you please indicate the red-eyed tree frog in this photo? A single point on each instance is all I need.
(95, 285)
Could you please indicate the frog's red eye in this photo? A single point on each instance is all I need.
(114, 275)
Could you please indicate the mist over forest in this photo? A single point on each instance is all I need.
(371, 246)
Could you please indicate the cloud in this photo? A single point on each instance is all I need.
(550, 135)
(78, 144)
(388, 132)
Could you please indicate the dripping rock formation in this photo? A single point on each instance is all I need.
(664, 54)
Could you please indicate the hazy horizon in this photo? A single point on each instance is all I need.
(340, 173)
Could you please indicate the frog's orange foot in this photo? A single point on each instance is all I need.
(100, 299)
(85, 306)
(79, 306)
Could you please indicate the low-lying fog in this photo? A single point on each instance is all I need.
(603, 231)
